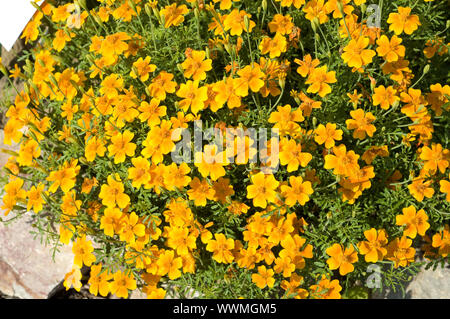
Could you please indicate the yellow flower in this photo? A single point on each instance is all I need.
(82, 250)
(403, 20)
(121, 146)
(99, 280)
(263, 278)
(196, 66)
(415, 222)
(73, 279)
(193, 96)
(173, 14)
(274, 46)
(319, 79)
(361, 124)
(235, 22)
(262, 190)
(355, 53)
(169, 265)
(327, 135)
(249, 78)
(374, 248)
(342, 259)
(122, 282)
(112, 193)
(390, 50)
(298, 191)
(142, 69)
(221, 248)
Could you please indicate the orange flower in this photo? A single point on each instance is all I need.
(361, 124)
(274, 46)
(236, 24)
(195, 65)
(249, 78)
(307, 65)
(200, 192)
(291, 155)
(420, 188)
(173, 14)
(281, 24)
(319, 79)
(221, 248)
(384, 97)
(262, 190)
(355, 54)
(326, 289)
(403, 20)
(298, 191)
(435, 158)
(373, 248)
(342, 162)
(327, 134)
(390, 50)
(341, 258)
(415, 222)
(441, 240)
(263, 278)
(401, 252)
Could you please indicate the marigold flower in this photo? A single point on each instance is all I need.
(221, 248)
(262, 190)
(112, 193)
(319, 79)
(384, 97)
(82, 250)
(235, 22)
(414, 222)
(401, 252)
(341, 258)
(121, 146)
(361, 124)
(122, 282)
(250, 77)
(99, 280)
(263, 278)
(355, 53)
(169, 265)
(327, 135)
(173, 14)
(373, 249)
(403, 20)
(298, 191)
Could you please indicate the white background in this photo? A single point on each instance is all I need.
(14, 16)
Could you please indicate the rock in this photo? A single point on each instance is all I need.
(27, 266)
(427, 284)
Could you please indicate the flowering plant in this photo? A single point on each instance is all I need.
(352, 170)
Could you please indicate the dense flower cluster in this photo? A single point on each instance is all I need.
(362, 113)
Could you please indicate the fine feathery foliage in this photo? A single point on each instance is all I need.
(354, 95)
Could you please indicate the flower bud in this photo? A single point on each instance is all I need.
(132, 5)
(315, 24)
(340, 6)
(180, 68)
(264, 5)
(246, 23)
(426, 69)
